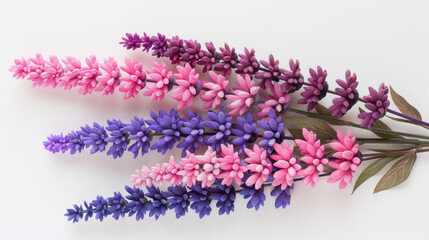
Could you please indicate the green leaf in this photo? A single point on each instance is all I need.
(381, 125)
(397, 174)
(296, 133)
(372, 169)
(319, 127)
(389, 150)
(404, 106)
(320, 109)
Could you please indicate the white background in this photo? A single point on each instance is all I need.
(382, 41)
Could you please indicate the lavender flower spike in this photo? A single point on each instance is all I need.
(132, 41)
(318, 89)
(118, 136)
(348, 95)
(140, 133)
(221, 123)
(168, 124)
(56, 143)
(377, 105)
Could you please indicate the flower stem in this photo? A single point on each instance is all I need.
(420, 122)
(348, 123)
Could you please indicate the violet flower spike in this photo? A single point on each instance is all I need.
(159, 45)
(318, 89)
(348, 95)
(272, 73)
(209, 58)
(248, 63)
(175, 50)
(131, 41)
(377, 104)
(193, 52)
(229, 60)
(293, 78)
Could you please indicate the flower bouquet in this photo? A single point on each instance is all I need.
(252, 138)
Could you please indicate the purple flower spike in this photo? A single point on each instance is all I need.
(132, 41)
(99, 208)
(246, 132)
(318, 89)
(273, 131)
(271, 73)
(159, 45)
(283, 198)
(75, 142)
(228, 60)
(225, 196)
(118, 205)
(348, 95)
(175, 49)
(118, 136)
(169, 125)
(248, 63)
(138, 202)
(377, 105)
(209, 57)
(257, 197)
(294, 79)
(94, 136)
(193, 128)
(75, 214)
(146, 42)
(140, 133)
(179, 200)
(56, 143)
(193, 53)
(221, 123)
(200, 200)
(159, 204)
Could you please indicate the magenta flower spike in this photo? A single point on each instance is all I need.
(162, 81)
(230, 164)
(243, 97)
(90, 74)
(279, 101)
(216, 91)
(377, 104)
(73, 75)
(132, 84)
(348, 95)
(287, 164)
(189, 86)
(107, 83)
(259, 166)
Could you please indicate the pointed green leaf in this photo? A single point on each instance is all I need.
(296, 132)
(319, 127)
(372, 169)
(404, 106)
(381, 125)
(397, 174)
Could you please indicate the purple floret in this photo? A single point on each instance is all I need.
(225, 196)
(159, 204)
(118, 205)
(132, 41)
(318, 89)
(293, 78)
(169, 125)
(175, 49)
(246, 132)
(257, 197)
(193, 129)
(221, 123)
(75, 214)
(271, 73)
(56, 143)
(99, 208)
(118, 136)
(209, 58)
(137, 202)
(178, 200)
(283, 198)
(200, 200)
(248, 63)
(159, 45)
(193, 52)
(273, 131)
(75, 142)
(139, 133)
(94, 136)
(377, 104)
(229, 60)
(348, 95)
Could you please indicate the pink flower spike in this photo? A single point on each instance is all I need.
(20, 69)
(278, 101)
(132, 84)
(172, 172)
(73, 75)
(36, 67)
(243, 96)
(90, 74)
(259, 164)
(231, 165)
(53, 72)
(210, 167)
(141, 178)
(190, 169)
(189, 86)
(160, 74)
(286, 163)
(348, 159)
(314, 155)
(107, 83)
(157, 174)
(213, 97)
